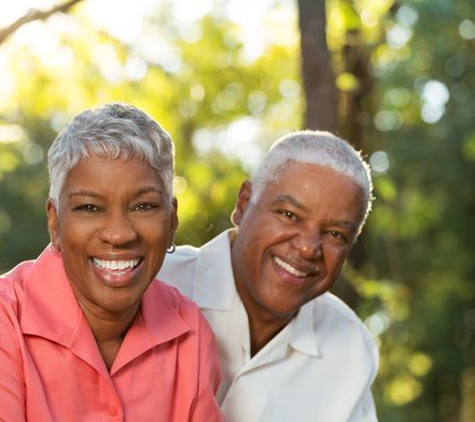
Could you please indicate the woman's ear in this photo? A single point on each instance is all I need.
(52, 219)
(173, 218)
(242, 201)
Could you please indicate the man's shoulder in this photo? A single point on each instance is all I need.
(179, 264)
(186, 254)
(331, 310)
(335, 304)
(178, 269)
(182, 268)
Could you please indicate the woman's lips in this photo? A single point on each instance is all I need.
(114, 265)
(117, 273)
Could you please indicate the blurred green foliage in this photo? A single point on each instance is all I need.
(414, 272)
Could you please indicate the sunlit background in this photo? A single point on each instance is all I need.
(224, 78)
(254, 25)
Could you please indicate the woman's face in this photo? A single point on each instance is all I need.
(113, 225)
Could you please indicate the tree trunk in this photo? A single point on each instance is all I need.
(319, 80)
(355, 112)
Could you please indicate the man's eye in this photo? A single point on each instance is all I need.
(87, 208)
(338, 235)
(144, 207)
(288, 214)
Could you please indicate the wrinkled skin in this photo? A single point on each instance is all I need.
(292, 242)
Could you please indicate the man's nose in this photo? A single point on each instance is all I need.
(308, 243)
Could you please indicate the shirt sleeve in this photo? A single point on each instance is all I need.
(206, 407)
(12, 388)
(365, 410)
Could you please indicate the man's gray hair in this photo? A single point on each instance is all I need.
(319, 148)
(113, 131)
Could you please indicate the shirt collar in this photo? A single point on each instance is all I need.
(50, 307)
(157, 322)
(304, 333)
(51, 311)
(214, 286)
(160, 314)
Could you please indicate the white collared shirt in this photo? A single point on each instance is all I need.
(320, 367)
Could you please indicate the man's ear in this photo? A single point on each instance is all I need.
(242, 201)
(52, 220)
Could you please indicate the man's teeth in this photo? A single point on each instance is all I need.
(289, 268)
(116, 265)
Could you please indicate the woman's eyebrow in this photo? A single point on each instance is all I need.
(82, 192)
(141, 191)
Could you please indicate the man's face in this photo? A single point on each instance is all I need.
(293, 241)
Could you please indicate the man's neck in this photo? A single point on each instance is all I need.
(263, 330)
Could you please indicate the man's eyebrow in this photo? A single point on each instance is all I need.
(291, 200)
(148, 189)
(346, 225)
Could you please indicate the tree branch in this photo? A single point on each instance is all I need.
(34, 15)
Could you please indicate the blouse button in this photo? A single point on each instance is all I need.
(112, 410)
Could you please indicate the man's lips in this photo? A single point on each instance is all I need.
(292, 269)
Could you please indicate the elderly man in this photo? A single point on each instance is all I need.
(290, 350)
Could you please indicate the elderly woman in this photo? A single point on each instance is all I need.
(87, 334)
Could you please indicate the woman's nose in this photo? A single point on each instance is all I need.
(118, 229)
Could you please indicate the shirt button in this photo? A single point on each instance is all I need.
(112, 410)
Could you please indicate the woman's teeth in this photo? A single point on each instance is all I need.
(289, 268)
(115, 265)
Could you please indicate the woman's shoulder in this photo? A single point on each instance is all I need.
(12, 282)
(12, 294)
(17, 273)
(178, 302)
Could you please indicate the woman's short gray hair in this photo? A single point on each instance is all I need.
(113, 131)
(319, 148)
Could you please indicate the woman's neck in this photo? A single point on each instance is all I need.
(109, 330)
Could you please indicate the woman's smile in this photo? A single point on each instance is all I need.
(116, 273)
